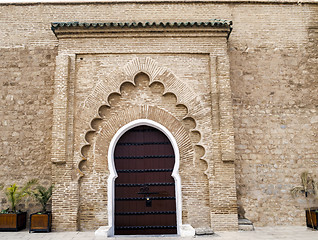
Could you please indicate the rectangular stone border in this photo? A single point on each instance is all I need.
(222, 189)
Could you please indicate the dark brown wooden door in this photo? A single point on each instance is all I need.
(144, 190)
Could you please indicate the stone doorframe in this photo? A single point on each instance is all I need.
(189, 38)
(116, 126)
(113, 175)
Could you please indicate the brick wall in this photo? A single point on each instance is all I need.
(272, 52)
(26, 115)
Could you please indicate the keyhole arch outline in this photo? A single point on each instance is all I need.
(113, 174)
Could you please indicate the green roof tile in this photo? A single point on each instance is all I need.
(213, 23)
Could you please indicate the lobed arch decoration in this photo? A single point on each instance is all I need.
(150, 114)
(75, 122)
(116, 126)
(98, 98)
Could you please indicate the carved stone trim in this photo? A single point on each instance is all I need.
(225, 109)
(111, 164)
(60, 109)
(105, 87)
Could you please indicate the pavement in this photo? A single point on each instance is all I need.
(260, 233)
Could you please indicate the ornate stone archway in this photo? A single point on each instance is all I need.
(151, 116)
(105, 87)
(76, 106)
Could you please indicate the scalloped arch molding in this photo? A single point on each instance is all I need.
(143, 115)
(105, 87)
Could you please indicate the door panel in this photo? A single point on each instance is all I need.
(144, 189)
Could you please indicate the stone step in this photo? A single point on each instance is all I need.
(203, 231)
(245, 225)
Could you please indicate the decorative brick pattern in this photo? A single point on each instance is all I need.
(97, 155)
(104, 88)
(60, 109)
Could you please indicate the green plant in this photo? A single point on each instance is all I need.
(43, 195)
(16, 193)
(1, 187)
(308, 187)
(315, 186)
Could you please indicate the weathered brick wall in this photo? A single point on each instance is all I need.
(273, 56)
(274, 83)
(26, 114)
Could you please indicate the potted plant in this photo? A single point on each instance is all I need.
(308, 188)
(41, 221)
(12, 219)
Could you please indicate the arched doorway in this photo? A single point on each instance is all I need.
(145, 201)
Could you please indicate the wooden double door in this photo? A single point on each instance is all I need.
(145, 200)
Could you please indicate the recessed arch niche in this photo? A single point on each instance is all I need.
(104, 145)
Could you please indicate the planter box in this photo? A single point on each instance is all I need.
(12, 221)
(40, 222)
(314, 217)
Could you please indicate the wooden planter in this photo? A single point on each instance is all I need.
(12, 221)
(314, 216)
(40, 222)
